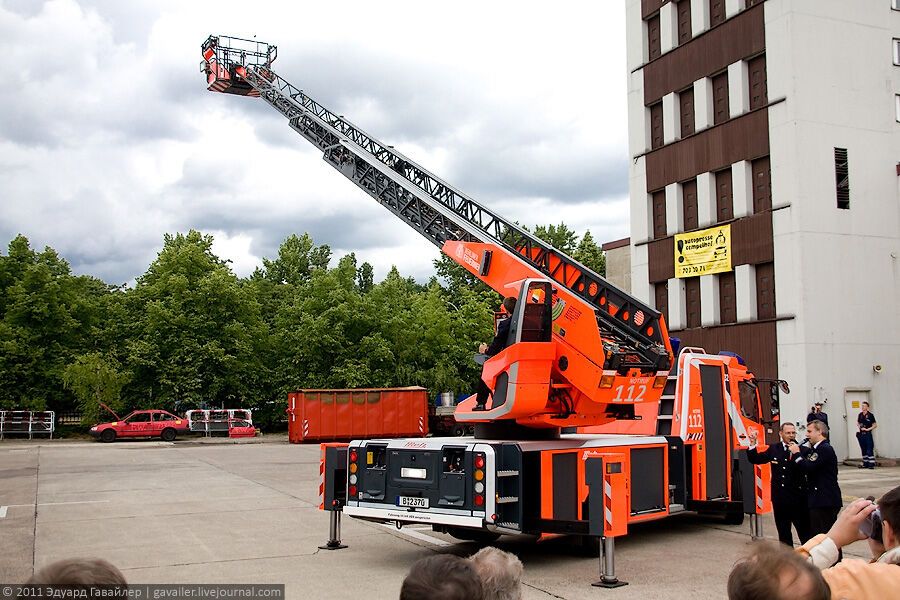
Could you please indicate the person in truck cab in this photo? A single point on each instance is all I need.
(499, 343)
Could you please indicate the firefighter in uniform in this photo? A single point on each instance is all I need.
(788, 484)
(866, 423)
(819, 462)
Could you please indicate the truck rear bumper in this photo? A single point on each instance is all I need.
(393, 514)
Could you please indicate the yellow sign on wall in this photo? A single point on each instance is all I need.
(703, 252)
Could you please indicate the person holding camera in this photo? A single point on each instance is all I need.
(817, 414)
(862, 519)
(865, 421)
(788, 484)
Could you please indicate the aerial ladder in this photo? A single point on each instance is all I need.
(581, 353)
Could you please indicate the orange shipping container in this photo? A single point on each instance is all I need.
(328, 415)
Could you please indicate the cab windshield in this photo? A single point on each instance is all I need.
(749, 399)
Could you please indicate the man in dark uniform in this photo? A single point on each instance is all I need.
(866, 423)
(819, 462)
(816, 414)
(788, 485)
(499, 343)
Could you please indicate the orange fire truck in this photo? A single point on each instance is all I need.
(657, 429)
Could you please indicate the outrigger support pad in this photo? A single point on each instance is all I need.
(334, 533)
(608, 577)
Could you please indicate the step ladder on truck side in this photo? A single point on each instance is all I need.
(581, 353)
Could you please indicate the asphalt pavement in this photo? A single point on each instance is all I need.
(217, 512)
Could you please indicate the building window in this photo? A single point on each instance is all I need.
(765, 291)
(727, 298)
(720, 98)
(895, 4)
(686, 105)
(842, 177)
(762, 184)
(897, 102)
(724, 196)
(716, 12)
(659, 214)
(692, 302)
(654, 42)
(897, 52)
(661, 293)
(758, 88)
(656, 126)
(684, 21)
(689, 205)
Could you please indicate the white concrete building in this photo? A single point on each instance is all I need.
(780, 118)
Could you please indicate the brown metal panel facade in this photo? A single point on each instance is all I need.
(754, 342)
(707, 54)
(759, 90)
(659, 214)
(689, 205)
(650, 7)
(686, 105)
(727, 298)
(762, 184)
(724, 196)
(765, 291)
(720, 98)
(656, 126)
(692, 302)
(716, 12)
(653, 39)
(684, 22)
(661, 294)
(751, 240)
(661, 258)
(742, 138)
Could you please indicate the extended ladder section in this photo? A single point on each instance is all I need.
(632, 332)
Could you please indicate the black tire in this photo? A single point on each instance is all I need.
(108, 435)
(168, 434)
(459, 431)
(473, 535)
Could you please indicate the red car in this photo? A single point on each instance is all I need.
(142, 423)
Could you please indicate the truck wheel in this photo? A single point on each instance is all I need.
(108, 435)
(480, 536)
(459, 431)
(168, 434)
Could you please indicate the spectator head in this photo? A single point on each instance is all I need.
(816, 431)
(865, 406)
(79, 572)
(774, 572)
(442, 577)
(509, 304)
(788, 433)
(500, 573)
(889, 505)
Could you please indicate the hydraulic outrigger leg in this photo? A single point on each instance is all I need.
(608, 577)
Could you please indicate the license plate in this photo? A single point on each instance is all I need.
(412, 502)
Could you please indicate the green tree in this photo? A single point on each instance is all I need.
(559, 236)
(196, 335)
(48, 316)
(95, 378)
(297, 258)
(590, 254)
(365, 278)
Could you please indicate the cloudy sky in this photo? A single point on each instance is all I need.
(109, 139)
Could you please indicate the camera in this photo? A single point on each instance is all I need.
(871, 527)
